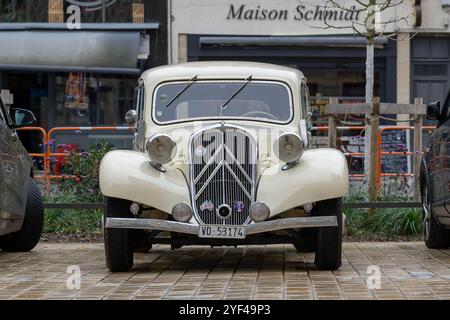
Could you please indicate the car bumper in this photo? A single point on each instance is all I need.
(188, 228)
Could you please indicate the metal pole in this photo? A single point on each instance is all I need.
(332, 132)
(104, 11)
(373, 161)
(418, 119)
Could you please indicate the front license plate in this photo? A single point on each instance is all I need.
(217, 231)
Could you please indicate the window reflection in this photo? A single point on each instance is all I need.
(85, 99)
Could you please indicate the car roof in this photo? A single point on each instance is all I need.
(222, 70)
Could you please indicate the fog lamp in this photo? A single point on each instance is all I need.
(182, 212)
(259, 212)
(289, 147)
(161, 148)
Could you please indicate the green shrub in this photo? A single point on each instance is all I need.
(85, 166)
(382, 222)
(84, 189)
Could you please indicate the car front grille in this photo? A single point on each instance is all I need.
(222, 174)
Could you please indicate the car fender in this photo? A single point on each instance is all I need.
(129, 175)
(319, 175)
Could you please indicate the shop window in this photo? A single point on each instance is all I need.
(116, 98)
(89, 100)
(76, 99)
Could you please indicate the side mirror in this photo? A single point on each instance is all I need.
(315, 115)
(434, 110)
(22, 118)
(131, 117)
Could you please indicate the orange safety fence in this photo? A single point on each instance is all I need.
(77, 130)
(47, 145)
(381, 153)
(399, 153)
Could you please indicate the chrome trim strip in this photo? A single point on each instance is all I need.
(237, 164)
(208, 181)
(238, 181)
(291, 223)
(254, 228)
(151, 224)
(210, 161)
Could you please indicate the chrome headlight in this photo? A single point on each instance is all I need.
(161, 148)
(288, 147)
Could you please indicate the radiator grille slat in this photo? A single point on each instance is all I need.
(223, 168)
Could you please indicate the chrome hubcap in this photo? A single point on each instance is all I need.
(426, 209)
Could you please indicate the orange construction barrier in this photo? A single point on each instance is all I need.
(380, 152)
(404, 153)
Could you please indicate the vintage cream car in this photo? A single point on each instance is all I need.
(221, 158)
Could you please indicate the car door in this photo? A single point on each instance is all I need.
(438, 150)
(15, 170)
(3, 151)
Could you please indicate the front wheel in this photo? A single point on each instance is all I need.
(118, 249)
(435, 235)
(329, 239)
(28, 237)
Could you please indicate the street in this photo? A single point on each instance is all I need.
(408, 271)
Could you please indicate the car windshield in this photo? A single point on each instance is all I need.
(260, 100)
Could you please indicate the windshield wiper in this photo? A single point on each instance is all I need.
(248, 79)
(192, 81)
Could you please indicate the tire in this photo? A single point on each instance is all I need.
(435, 235)
(28, 237)
(118, 249)
(307, 240)
(329, 239)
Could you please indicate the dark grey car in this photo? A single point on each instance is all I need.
(435, 178)
(21, 210)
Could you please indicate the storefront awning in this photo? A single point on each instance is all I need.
(291, 41)
(91, 49)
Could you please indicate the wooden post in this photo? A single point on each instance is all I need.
(373, 160)
(138, 12)
(418, 119)
(55, 11)
(332, 131)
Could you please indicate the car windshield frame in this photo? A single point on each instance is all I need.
(218, 118)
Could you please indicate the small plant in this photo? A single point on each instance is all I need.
(85, 167)
(83, 189)
(384, 222)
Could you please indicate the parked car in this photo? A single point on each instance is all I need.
(21, 210)
(435, 178)
(221, 158)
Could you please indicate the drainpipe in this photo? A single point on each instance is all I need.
(104, 11)
(169, 32)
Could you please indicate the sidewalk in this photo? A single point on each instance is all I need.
(408, 271)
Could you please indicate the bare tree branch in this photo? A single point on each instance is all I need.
(339, 6)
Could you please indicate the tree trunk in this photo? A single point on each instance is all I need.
(370, 38)
(369, 71)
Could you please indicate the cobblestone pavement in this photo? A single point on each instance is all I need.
(408, 271)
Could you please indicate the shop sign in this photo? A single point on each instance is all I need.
(300, 12)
